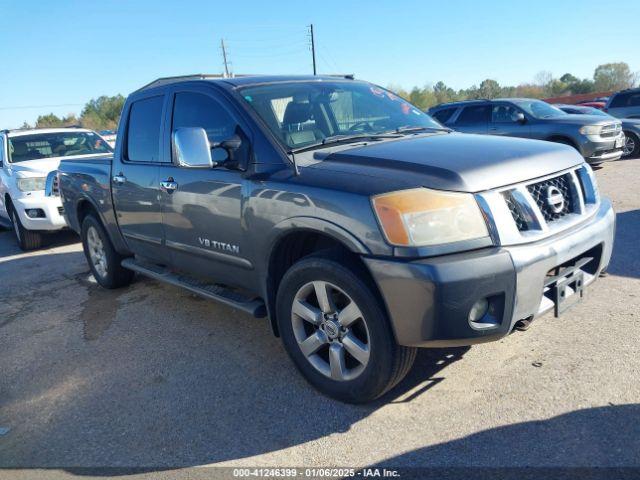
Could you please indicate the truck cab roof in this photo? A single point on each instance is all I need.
(241, 80)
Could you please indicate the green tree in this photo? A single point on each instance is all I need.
(53, 121)
(613, 76)
(102, 113)
(444, 94)
(489, 89)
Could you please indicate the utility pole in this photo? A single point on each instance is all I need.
(224, 58)
(313, 48)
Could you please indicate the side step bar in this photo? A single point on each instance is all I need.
(253, 306)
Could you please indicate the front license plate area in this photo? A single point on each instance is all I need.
(567, 292)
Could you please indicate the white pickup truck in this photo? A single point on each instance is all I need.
(27, 158)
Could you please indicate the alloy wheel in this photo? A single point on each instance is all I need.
(331, 330)
(96, 251)
(629, 146)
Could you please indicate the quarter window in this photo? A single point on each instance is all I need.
(474, 114)
(143, 135)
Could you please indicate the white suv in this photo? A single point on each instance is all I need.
(27, 157)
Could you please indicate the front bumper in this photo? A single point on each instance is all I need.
(429, 300)
(597, 150)
(51, 206)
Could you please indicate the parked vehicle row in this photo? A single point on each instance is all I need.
(598, 139)
(362, 228)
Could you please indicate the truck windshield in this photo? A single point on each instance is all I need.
(302, 114)
(56, 144)
(539, 109)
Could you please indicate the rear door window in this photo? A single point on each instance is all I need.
(474, 114)
(143, 133)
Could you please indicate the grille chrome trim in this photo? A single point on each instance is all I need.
(584, 197)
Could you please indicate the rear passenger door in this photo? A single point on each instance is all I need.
(473, 119)
(504, 121)
(134, 181)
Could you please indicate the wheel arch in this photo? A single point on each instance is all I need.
(301, 238)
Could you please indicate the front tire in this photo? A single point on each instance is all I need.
(337, 333)
(631, 147)
(104, 261)
(27, 239)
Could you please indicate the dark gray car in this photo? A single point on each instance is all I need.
(624, 104)
(358, 225)
(597, 139)
(630, 127)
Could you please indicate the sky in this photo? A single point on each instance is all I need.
(57, 55)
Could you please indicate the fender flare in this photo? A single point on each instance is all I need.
(313, 224)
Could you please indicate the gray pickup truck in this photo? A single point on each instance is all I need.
(358, 225)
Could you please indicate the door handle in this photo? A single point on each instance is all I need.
(169, 185)
(119, 179)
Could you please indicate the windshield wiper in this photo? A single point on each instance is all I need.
(410, 129)
(333, 139)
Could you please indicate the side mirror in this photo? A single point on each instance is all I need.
(191, 148)
(520, 118)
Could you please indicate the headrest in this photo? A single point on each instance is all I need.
(297, 112)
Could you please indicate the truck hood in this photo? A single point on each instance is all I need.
(453, 161)
(42, 166)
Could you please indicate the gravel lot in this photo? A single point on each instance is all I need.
(151, 376)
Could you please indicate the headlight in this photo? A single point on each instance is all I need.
(590, 129)
(420, 217)
(31, 184)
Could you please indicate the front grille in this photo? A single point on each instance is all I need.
(541, 192)
(516, 211)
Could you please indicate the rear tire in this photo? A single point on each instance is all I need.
(343, 345)
(27, 239)
(104, 261)
(632, 146)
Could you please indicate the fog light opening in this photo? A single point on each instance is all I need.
(479, 310)
(35, 213)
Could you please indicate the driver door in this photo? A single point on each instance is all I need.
(504, 121)
(202, 212)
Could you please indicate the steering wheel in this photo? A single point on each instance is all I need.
(362, 126)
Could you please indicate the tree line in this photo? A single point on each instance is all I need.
(103, 113)
(607, 77)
